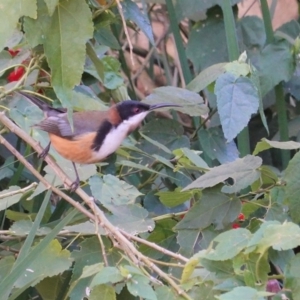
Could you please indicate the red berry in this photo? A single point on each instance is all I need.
(13, 53)
(16, 74)
(241, 217)
(235, 226)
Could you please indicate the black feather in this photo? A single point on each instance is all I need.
(102, 132)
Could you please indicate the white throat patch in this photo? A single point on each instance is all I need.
(116, 136)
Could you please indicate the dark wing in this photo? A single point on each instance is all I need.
(84, 122)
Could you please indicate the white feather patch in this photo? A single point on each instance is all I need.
(116, 136)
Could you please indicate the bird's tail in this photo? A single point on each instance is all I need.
(41, 104)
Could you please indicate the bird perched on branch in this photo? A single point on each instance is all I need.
(95, 134)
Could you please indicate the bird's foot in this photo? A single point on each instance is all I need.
(45, 152)
(74, 186)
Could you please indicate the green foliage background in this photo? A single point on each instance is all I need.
(206, 211)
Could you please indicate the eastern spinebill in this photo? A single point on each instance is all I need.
(95, 134)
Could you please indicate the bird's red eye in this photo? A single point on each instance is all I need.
(136, 110)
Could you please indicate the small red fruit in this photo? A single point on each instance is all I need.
(13, 53)
(16, 74)
(235, 226)
(241, 217)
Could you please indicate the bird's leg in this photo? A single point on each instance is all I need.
(45, 151)
(76, 183)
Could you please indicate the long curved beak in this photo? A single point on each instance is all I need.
(160, 105)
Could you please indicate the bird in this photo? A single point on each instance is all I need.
(95, 134)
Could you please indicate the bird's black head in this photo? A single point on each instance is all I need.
(130, 108)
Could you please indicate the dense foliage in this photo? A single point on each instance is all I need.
(201, 202)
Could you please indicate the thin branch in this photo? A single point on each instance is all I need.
(163, 263)
(155, 246)
(125, 30)
(100, 239)
(19, 191)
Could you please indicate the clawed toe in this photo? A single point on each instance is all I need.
(74, 186)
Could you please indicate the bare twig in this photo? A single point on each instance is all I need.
(125, 30)
(155, 246)
(19, 191)
(100, 239)
(178, 65)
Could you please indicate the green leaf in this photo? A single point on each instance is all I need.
(238, 238)
(132, 12)
(205, 290)
(7, 172)
(162, 235)
(36, 29)
(280, 237)
(215, 146)
(18, 216)
(50, 287)
(92, 270)
(10, 196)
(293, 85)
(7, 283)
(112, 75)
(256, 81)
(107, 292)
(104, 36)
(245, 293)
(258, 235)
(237, 100)
(71, 21)
(107, 275)
(166, 293)
(139, 286)
(191, 102)
(89, 254)
(96, 61)
(206, 77)
(213, 51)
(85, 228)
(238, 68)
(189, 269)
(82, 101)
(6, 265)
(270, 73)
(33, 231)
(292, 278)
(54, 259)
(157, 144)
(222, 269)
(51, 5)
(173, 198)
(213, 207)
(292, 188)
(188, 240)
(188, 158)
(280, 258)
(141, 167)
(253, 31)
(25, 114)
(266, 144)
(130, 217)
(10, 13)
(252, 267)
(243, 172)
(109, 190)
